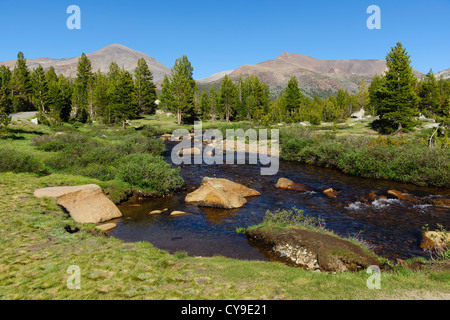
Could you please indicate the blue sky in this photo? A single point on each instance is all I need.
(223, 35)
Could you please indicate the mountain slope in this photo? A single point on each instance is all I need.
(445, 74)
(316, 77)
(101, 59)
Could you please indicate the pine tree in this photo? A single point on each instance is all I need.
(5, 96)
(51, 75)
(205, 106)
(21, 89)
(166, 98)
(123, 99)
(5, 104)
(214, 103)
(362, 97)
(83, 88)
(399, 100)
(292, 96)
(430, 98)
(100, 97)
(228, 97)
(376, 93)
(145, 88)
(183, 87)
(40, 90)
(65, 88)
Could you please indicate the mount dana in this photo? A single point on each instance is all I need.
(100, 60)
(315, 76)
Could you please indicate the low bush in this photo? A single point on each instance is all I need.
(382, 158)
(292, 218)
(15, 161)
(151, 173)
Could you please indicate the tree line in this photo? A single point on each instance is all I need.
(113, 97)
(397, 97)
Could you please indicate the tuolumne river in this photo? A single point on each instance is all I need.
(391, 226)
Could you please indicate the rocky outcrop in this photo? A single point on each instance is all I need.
(85, 204)
(313, 250)
(220, 193)
(286, 184)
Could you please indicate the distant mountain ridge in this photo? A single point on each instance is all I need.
(445, 74)
(316, 77)
(100, 60)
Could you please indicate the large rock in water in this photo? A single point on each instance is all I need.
(233, 186)
(313, 250)
(286, 184)
(85, 204)
(220, 193)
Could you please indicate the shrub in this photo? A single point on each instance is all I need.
(101, 172)
(293, 218)
(151, 173)
(15, 161)
(138, 143)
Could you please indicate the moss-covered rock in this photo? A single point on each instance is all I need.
(314, 250)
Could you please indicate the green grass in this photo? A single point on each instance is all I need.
(400, 158)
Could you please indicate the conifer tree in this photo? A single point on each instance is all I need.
(100, 97)
(40, 90)
(21, 89)
(65, 92)
(363, 96)
(5, 110)
(398, 106)
(213, 103)
(123, 99)
(292, 96)
(183, 87)
(145, 88)
(430, 98)
(5, 96)
(166, 97)
(228, 97)
(205, 106)
(82, 91)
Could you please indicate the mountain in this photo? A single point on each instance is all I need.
(100, 60)
(316, 77)
(445, 74)
(214, 77)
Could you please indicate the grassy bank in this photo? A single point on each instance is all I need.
(37, 250)
(123, 161)
(400, 158)
(38, 244)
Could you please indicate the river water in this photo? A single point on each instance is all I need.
(392, 227)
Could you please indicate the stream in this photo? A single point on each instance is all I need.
(391, 226)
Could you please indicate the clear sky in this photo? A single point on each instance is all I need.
(219, 35)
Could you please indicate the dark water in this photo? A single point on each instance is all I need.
(393, 227)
